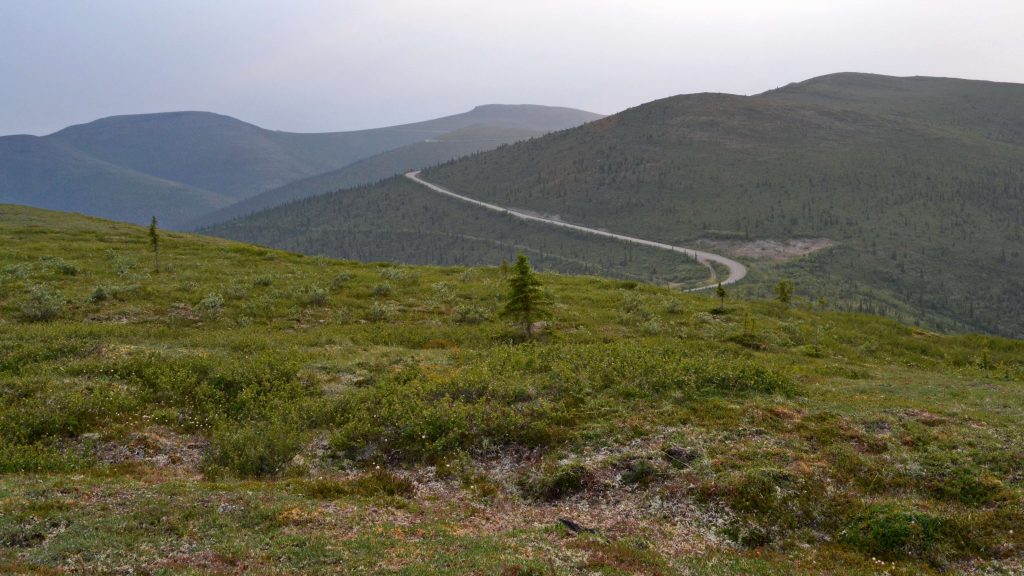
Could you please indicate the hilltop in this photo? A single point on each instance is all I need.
(911, 188)
(247, 410)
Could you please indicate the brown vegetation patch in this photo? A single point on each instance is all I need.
(774, 250)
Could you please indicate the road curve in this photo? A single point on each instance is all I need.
(737, 271)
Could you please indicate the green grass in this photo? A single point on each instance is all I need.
(252, 411)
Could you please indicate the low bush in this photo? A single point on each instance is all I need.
(211, 306)
(253, 450)
(340, 280)
(315, 296)
(378, 483)
(555, 482)
(42, 303)
(772, 504)
(99, 295)
(890, 532)
(38, 458)
(263, 281)
(471, 315)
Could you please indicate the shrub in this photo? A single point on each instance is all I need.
(442, 291)
(399, 275)
(640, 471)
(770, 504)
(252, 450)
(236, 292)
(369, 485)
(967, 485)
(263, 280)
(42, 303)
(211, 306)
(99, 295)
(58, 265)
(210, 388)
(379, 312)
(37, 458)
(316, 296)
(471, 315)
(340, 280)
(555, 483)
(889, 532)
(382, 290)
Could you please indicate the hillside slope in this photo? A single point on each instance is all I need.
(435, 150)
(226, 155)
(246, 410)
(39, 172)
(138, 161)
(918, 184)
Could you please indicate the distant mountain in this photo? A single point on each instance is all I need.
(224, 159)
(917, 184)
(436, 150)
(43, 173)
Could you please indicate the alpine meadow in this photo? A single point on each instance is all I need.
(586, 288)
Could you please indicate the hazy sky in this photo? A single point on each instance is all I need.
(319, 65)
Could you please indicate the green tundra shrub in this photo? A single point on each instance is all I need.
(42, 303)
(253, 449)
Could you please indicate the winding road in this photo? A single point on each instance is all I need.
(737, 271)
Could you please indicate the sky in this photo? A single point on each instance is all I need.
(326, 65)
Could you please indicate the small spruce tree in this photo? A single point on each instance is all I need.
(154, 243)
(526, 302)
(784, 291)
(721, 293)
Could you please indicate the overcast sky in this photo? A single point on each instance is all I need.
(321, 65)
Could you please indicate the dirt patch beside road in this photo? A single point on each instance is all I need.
(777, 250)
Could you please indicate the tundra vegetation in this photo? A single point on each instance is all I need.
(254, 411)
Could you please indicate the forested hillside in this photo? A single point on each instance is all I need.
(435, 150)
(919, 182)
(397, 220)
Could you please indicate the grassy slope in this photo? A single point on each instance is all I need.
(443, 148)
(153, 424)
(919, 182)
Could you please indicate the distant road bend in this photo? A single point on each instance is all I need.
(736, 270)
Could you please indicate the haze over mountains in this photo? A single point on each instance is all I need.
(183, 165)
(916, 184)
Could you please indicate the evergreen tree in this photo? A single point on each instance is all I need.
(526, 302)
(784, 291)
(721, 293)
(154, 243)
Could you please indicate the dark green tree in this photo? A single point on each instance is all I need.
(784, 291)
(154, 243)
(526, 302)
(721, 293)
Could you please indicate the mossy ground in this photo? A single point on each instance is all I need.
(251, 411)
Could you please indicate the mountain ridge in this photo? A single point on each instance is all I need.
(217, 156)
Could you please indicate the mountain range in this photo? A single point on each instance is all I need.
(181, 166)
